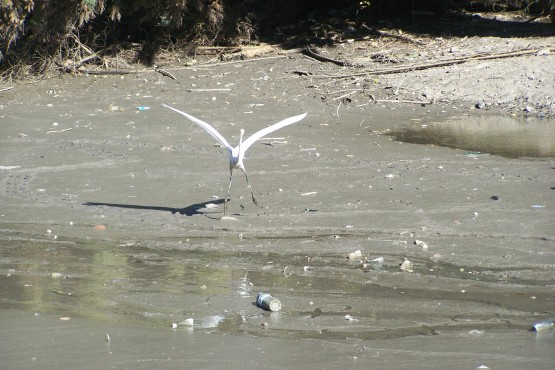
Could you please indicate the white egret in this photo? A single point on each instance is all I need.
(237, 154)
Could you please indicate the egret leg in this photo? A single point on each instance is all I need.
(228, 189)
(250, 187)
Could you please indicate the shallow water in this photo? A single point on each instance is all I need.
(506, 136)
(326, 297)
(148, 286)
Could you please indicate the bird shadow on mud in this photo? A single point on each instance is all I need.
(191, 210)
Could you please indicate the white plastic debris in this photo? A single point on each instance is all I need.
(377, 263)
(187, 322)
(9, 167)
(422, 244)
(356, 254)
(229, 218)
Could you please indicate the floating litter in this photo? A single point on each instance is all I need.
(542, 325)
(228, 218)
(422, 244)
(377, 263)
(187, 322)
(355, 254)
(267, 302)
(309, 193)
(9, 167)
(287, 271)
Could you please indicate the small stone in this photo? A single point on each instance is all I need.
(406, 266)
(480, 104)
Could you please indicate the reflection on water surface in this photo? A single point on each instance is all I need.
(333, 298)
(505, 136)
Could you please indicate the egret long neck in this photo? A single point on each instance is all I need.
(241, 133)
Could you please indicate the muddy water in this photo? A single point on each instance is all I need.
(506, 136)
(106, 240)
(119, 302)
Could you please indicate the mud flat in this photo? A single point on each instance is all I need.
(108, 236)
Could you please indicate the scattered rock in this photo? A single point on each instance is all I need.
(407, 266)
(436, 257)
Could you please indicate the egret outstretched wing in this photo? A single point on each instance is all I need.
(211, 130)
(265, 131)
(236, 154)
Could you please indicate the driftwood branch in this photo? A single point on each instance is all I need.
(311, 53)
(403, 101)
(106, 72)
(208, 90)
(166, 73)
(417, 67)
